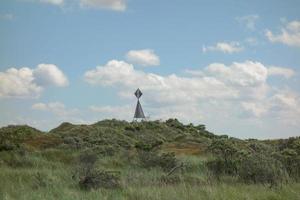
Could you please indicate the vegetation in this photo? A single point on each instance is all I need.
(114, 159)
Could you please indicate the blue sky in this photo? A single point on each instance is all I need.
(232, 65)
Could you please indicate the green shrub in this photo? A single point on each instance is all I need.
(148, 146)
(166, 161)
(291, 162)
(260, 168)
(100, 179)
(220, 167)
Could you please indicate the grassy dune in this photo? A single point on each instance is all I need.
(42, 165)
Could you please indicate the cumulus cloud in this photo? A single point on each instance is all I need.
(229, 90)
(18, 83)
(231, 47)
(48, 74)
(162, 88)
(290, 34)
(117, 5)
(249, 21)
(144, 57)
(26, 82)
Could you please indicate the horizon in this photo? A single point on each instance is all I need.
(232, 66)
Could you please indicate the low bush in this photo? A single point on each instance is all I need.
(259, 168)
(220, 167)
(100, 179)
(166, 161)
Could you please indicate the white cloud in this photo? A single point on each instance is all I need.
(280, 71)
(249, 21)
(231, 47)
(117, 5)
(48, 74)
(255, 108)
(171, 88)
(18, 83)
(290, 34)
(144, 57)
(7, 16)
(56, 108)
(26, 82)
(53, 2)
(218, 91)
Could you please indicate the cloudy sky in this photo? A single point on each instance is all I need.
(232, 65)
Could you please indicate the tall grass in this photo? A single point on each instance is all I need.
(50, 178)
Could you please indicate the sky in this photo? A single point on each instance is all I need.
(231, 65)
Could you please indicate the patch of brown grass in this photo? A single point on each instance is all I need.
(43, 142)
(184, 148)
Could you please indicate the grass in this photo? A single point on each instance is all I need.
(137, 183)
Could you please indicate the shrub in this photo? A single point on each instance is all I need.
(170, 180)
(220, 167)
(7, 146)
(100, 179)
(15, 160)
(175, 124)
(151, 159)
(259, 168)
(92, 178)
(223, 148)
(148, 146)
(291, 162)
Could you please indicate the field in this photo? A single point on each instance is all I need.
(150, 160)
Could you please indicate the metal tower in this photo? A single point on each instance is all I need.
(139, 114)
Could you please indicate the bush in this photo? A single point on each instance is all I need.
(170, 180)
(291, 162)
(100, 179)
(148, 146)
(223, 148)
(220, 167)
(151, 159)
(16, 160)
(259, 168)
(7, 147)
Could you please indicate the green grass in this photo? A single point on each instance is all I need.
(137, 183)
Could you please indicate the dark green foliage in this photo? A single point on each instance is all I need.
(220, 167)
(92, 178)
(16, 159)
(223, 148)
(15, 135)
(166, 161)
(175, 124)
(291, 161)
(148, 146)
(100, 179)
(260, 168)
(6, 146)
